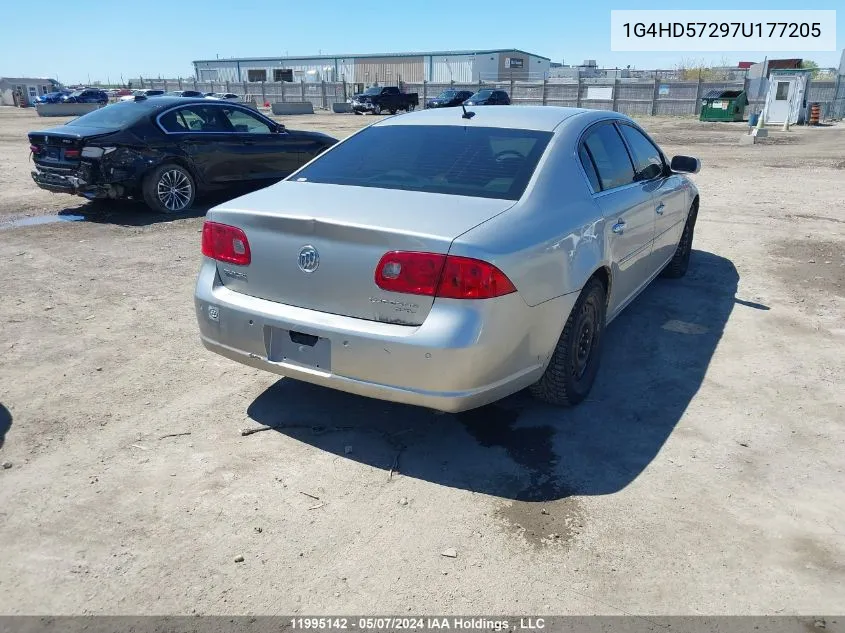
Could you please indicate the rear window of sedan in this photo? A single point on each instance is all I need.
(116, 115)
(482, 162)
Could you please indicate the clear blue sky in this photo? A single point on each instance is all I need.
(104, 39)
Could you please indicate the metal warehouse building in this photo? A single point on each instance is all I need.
(384, 69)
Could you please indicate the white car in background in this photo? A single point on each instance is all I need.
(222, 96)
(148, 92)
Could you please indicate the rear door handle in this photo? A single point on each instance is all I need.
(660, 208)
(619, 227)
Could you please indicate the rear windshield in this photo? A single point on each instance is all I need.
(482, 162)
(116, 115)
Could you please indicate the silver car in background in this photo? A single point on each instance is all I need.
(447, 259)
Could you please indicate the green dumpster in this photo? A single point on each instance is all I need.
(723, 105)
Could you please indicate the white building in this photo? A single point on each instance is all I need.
(28, 87)
(384, 68)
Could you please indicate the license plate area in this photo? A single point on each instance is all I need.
(298, 348)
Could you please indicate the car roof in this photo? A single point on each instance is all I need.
(540, 118)
(163, 102)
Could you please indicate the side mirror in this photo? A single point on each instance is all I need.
(685, 165)
(280, 128)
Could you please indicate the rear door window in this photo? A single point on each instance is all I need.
(589, 168)
(609, 156)
(470, 161)
(195, 118)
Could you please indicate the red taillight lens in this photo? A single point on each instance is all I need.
(71, 153)
(465, 278)
(35, 149)
(411, 273)
(225, 243)
(449, 276)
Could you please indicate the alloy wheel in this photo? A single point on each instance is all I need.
(174, 190)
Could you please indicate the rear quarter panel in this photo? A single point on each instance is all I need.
(553, 239)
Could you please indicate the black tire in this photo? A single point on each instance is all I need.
(677, 266)
(169, 188)
(575, 361)
(377, 109)
(393, 111)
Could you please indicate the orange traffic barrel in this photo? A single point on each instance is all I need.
(815, 113)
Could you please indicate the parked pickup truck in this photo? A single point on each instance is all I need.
(381, 99)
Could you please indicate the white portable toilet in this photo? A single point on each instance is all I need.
(786, 99)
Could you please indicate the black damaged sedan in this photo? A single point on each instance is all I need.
(167, 150)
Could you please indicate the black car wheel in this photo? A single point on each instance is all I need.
(377, 109)
(169, 189)
(677, 266)
(575, 361)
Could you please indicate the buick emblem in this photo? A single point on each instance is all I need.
(309, 259)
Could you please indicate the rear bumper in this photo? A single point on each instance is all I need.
(74, 182)
(60, 182)
(466, 353)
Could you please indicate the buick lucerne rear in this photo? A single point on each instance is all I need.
(433, 259)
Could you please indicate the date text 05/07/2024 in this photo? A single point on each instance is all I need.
(434, 623)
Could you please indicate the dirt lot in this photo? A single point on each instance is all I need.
(704, 475)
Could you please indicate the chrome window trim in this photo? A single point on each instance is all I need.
(596, 194)
(212, 104)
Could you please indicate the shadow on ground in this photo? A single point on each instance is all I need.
(655, 358)
(5, 423)
(135, 213)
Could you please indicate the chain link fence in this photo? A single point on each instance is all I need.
(634, 97)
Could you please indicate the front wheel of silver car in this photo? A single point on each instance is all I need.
(677, 266)
(170, 189)
(575, 360)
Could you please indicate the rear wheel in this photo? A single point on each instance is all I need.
(393, 111)
(169, 189)
(677, 266)
(411, 107)
(377, 109)
(575, 361)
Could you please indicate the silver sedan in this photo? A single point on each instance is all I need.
(447, 259)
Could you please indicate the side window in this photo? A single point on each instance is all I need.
(242, 121)
(610, 156)
(195, 119)
(647, 159)
(589, 168)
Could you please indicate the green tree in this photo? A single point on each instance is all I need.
(809, 64)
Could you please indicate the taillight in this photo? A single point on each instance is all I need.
(465, 278)
(436, 275)
(71, 153)
(35, 149)
(225, 243)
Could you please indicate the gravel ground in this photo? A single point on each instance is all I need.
(703, 475)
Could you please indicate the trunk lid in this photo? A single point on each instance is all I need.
(350, 228)
(55, 141)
